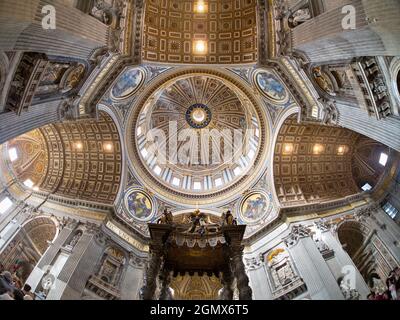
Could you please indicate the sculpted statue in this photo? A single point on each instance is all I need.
(299, 17)
(166, 217)
(101, 12)
(198, 220)
(228, 219)
(74, 78)
(321, 245)
(323, 83)
(330, 111)
(75, 239)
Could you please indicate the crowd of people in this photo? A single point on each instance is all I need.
(11, 287)
(392, 291)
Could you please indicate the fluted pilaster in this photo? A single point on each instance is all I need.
(12, 125)
(76, 35)
(386, 131)
(321, 284)
(323, 38)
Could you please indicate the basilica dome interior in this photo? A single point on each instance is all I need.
(200, 149)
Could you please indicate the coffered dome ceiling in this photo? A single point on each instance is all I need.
(197, 136)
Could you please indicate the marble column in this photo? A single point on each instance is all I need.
(151, 273)
(321, 284)
(239, 271)
(387, 230)
(12, 222)
(79, 266)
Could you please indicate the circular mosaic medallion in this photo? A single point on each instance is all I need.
(271, 87)
(255, 206)
(127, 83)
(139, 204)
(198, 116)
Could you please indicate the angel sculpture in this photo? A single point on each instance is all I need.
(166, 217)
(199, 221)
(228, 219)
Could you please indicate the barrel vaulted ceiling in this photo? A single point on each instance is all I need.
(228, 28)
(79, 160)
(315, 163)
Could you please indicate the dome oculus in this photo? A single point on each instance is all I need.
(198, 116)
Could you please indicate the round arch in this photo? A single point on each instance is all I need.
(352, 235)
(117, 118)
(294, 109)
(28, 245)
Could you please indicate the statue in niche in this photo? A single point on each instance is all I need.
(47, 282)
(298, 17)
(45, 285)
(111, 267)
(321, 245)
(52, 77)
(75, 239)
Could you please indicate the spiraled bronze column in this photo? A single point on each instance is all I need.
(239, 271)
(165, 278)
(150, 277)
(227, 280)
